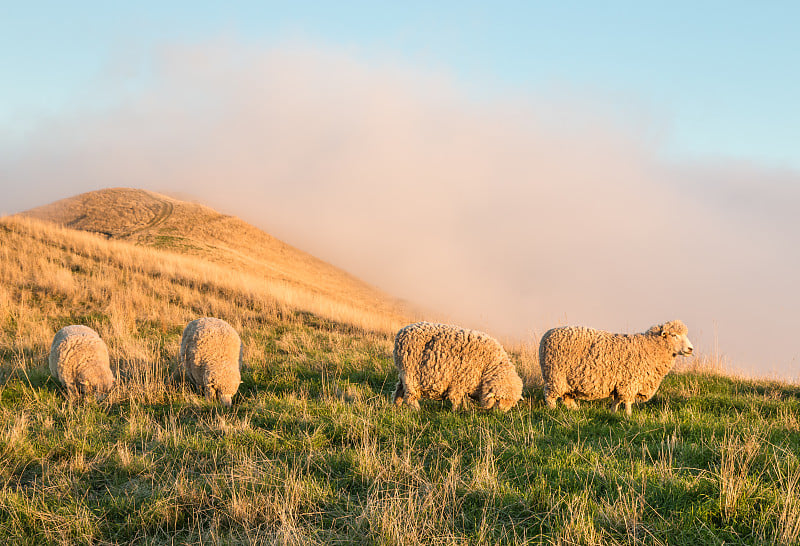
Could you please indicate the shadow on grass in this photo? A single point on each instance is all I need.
(33, 378)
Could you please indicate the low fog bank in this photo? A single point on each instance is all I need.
(512, 216)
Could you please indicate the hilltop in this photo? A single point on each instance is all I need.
(313, 451)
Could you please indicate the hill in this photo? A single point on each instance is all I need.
(150, 219)
(313, 452)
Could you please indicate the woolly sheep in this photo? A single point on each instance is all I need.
(587, 364)
(79, 360)
(439, 361)
(210, 356)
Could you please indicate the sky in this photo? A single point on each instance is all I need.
(720, 78)
(514, 166)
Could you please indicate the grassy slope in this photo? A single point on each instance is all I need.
(155, 220)
(312, 451)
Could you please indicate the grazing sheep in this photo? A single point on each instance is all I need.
(210, 356)
(79, 360)
(583, 363)
(439, 361)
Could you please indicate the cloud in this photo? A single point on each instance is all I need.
(509, 214)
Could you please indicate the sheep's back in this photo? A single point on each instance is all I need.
(584, 361)
(435, 355)
(210, 341)
(75, 347)
(593, 363)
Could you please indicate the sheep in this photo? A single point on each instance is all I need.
(439, 361)
(79, 360)
(588, 364)
(211, 356)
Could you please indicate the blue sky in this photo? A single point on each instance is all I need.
(718, 79)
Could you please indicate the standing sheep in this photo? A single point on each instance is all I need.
(439, 361)
(210, 356)
(79, 360)
(587, 364)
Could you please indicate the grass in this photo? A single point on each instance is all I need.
(314, 453)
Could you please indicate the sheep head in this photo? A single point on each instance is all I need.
(676, 333)
(97, 380)
(503, 390)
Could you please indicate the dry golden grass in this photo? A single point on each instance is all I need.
(77, 270)
(266, 264)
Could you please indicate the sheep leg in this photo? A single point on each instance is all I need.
(621, 399)
(550, 398)
(616, 404)
(211, 393)
(569, 402)
(179, 376)
(72, 391)
(409, 397)
(399, 393)
(628, 405)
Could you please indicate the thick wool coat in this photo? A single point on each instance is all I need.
(440, 361)
(210, 356)
(588, 364)
(79, 360)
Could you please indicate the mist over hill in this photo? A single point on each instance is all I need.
(155, 220)
(513, 216)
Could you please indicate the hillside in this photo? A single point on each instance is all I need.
(313, 452)
(154, 220)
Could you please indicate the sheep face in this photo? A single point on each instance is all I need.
(502, 392)
(681, 346)
(505, 404)
(97, 380)
(675, 333)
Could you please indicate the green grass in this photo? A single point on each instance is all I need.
(313, 452)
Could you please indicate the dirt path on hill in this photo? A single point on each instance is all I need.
(165, 212)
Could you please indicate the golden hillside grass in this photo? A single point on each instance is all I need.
(157, 221)
(79, 270)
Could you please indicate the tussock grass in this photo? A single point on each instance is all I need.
(314, 453)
